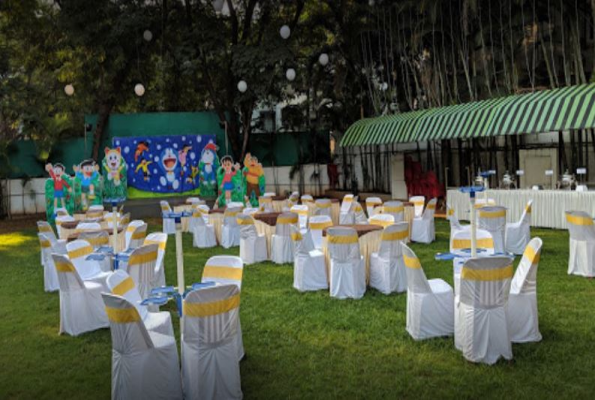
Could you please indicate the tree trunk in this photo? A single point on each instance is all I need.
(105, 110)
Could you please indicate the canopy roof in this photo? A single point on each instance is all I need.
(567, 108)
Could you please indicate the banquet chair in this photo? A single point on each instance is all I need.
(455, 225)
(394, 208)
(204, 211)
(302, 212)
(482, 202)
(230, 232)
(323, 207)
(422, 228)
(169, 224)
(309, 268)
(236, 204)
(522, 315)
(281, 244)
(253, 247)
(383, 220)
(460, 245)
(430, 303)
(293, 200)
(88, 226)
(581, 260)
(347, 266)
(317, 225)
(198, 211)
(226, 270)
(269, 194)
(265, 204)
(50, 276)
(145, 364)
(210, 367)
(250, 211)
(88, 270)
(81, 308)
(160, 239)
(59, 221)
(136, 232)
(481, 330)
(194, 201)
(97, 239)
(122, 284)
(493, 220)
(94, 212)
(373, 206)
(306, 198)
(418, 205)
(387, 270)
(360, 216)
(518, 234)
(203, 233)
(347, 212)
(61, 212)
(122, 219)
(46, 229)
(142, 269)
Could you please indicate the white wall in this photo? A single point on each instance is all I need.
(26, 198)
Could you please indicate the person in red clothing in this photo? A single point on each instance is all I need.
(56, 171)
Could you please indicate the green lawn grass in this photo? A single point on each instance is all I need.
(307, 345)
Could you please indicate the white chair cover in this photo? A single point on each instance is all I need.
(306, 198)
(455, 225)
(253, 247)
(317, 225)
(88, 226)
(481, 202)
(387, 270)
(347, 267)
(142, 268)
(281, 244)
(265, 204)
(194, 201)
(160, 239)
(95, 211)
(461, 245)
(493, 220)
(122, 284)
(518, 234)
(581, 260)
(230, 233)
(323, 207)
(373, 206)
(347, 212)
(250, 211)
(122, 219)
(50, 276)
(60, 219)
(269, 194)
(302, 212)
(145, 363)
(97, 239)
(481, 331)
(523, 318)
(202, 232)
(46, 229)
(81, 308)
(136, 232)
(204, 210)
(360, 215)
(226, 270)
(169, 224)
(394, 208)
(383, 220)
(309, 268)
(61, 212)
(422, 228)
(88, 270)
(210, 367)
(430, 304)
(235, 204)
(418, 205)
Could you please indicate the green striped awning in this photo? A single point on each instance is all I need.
(567, 108)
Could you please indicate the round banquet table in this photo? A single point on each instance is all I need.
(65, 229)
(370, 237)
(120, 245)
(269, 218)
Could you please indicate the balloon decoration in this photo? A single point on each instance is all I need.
(139, 89)
(69, 90)
(255, 180)
(58, 191)
(115, 174)
(148, 35)
(242, 86)
(88, 185)
(290, 74)
(323, 59)
(218, 5)
(285, 32)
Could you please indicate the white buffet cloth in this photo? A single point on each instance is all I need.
(547, 210)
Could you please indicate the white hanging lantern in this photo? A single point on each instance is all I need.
(242, 86)
(384, 86)
(290, 74)
(218, 5)
(148, 35)
(323, 59)
(69, 90)
(285, 32)
(139, 89)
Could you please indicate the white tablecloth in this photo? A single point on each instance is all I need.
(547, 210)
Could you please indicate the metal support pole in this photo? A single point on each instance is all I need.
(473, 226)
(180, 256)
(115, 224)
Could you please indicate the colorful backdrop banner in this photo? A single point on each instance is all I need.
(165, 165)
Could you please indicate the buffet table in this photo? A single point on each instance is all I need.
(547, 210)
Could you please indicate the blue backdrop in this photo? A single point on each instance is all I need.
(163, 164)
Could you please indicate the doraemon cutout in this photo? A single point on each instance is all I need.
(208, 164)
(169, 162)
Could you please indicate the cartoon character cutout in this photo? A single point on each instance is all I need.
(87, 175)
(61, 185)
(144, 167)
(183, 158)
(227, 172)
(208, 165)
(141, 148)
(254, 175)
(114, 171)
(169, 163)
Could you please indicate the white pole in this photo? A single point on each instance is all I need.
(115, 224)
(180, 256)
(473, 228)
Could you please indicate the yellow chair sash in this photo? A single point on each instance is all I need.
(418, 203)
(531, 255)
(245, 221)
(431, 206)
(124, 287)
(80, 252)
(286, 220)
(578, 220)
(395, 210)
(485, 243)
(231, 213)
(392, 236)
(323, 205)
(320, 225)
(487, 274)
(222, 272)
(64, 267)
(379, 222)
(296, 237)
(411, 262)
(97, 241)
(136, 259)
(528, 209)
(343, 239)
(160, 244)
(492, 214)
(45, 243)
(139, 235)
(197, 310)
(45, 228)
(122, 315)
(451, 212)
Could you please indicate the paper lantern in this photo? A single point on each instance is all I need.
(242, 86)
(148, 35)
(218, 5)
(384, 86)
(323, 59)
(285, 32)
(139, 89)
(290, 74)
(69, 90)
